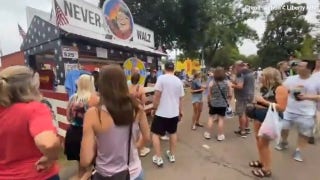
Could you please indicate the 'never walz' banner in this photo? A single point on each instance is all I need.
(114, 20)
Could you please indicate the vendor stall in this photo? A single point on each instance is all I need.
(82, 35)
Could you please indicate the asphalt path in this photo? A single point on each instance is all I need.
(200, 159)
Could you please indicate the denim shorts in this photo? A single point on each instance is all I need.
(197, 98)
(304, 124)
(261, 113)
(141, 176)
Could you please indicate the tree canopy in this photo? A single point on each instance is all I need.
(284, 34)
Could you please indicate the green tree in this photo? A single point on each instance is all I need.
(227, 55)
(284, 34)
(227, 26)
(253, 60)
(308, 47)
(317, 44)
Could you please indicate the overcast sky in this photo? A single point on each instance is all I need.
(13, 12)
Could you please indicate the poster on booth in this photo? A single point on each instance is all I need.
(118, 18)
(113, 22)
(70, 52)
(132, 63)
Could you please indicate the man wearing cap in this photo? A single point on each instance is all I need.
(151, 79)
(244, 93)
(167, 103)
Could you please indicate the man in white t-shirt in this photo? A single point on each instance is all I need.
(167, 102)
(301, 107)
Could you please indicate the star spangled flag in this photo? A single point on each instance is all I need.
(21, 32)
(61, 18)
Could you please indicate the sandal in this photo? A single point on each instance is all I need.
(261, 173)
(199, 125)
(255, 164)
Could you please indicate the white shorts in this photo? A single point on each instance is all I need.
(304, 124)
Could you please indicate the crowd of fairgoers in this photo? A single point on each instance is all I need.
(109, 130)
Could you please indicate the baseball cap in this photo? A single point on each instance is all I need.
(169, 66)
(239, 62)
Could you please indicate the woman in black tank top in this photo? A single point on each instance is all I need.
(271, 92)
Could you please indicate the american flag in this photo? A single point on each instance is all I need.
(21, 32)
(61, 18)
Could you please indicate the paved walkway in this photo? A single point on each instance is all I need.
(226, 160)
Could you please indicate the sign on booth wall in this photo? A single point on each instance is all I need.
(143, 36)
(114, 20)
(83, 15)
(102, 53)
(70, 52)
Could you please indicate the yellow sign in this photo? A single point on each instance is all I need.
(132, 63)
(189, 66)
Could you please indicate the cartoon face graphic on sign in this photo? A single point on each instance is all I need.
(119, 19)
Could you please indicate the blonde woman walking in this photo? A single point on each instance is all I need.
(79, 103)
(271, 91)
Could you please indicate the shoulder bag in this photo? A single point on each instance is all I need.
(229, 112)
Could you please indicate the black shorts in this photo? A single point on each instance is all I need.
(161, 125)
(221, 111)
(259, 114)
(72, 142)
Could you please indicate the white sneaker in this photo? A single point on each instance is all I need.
(144, 151)
(157, 161)
(221, 137)
(164, 138)
(282, 146)
(194, 127)
(171, 157)
(206, 135)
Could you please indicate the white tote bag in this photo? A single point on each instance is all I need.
(271, 128)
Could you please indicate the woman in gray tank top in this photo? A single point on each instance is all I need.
(107, 129)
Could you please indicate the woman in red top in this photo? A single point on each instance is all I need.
(29, 143)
